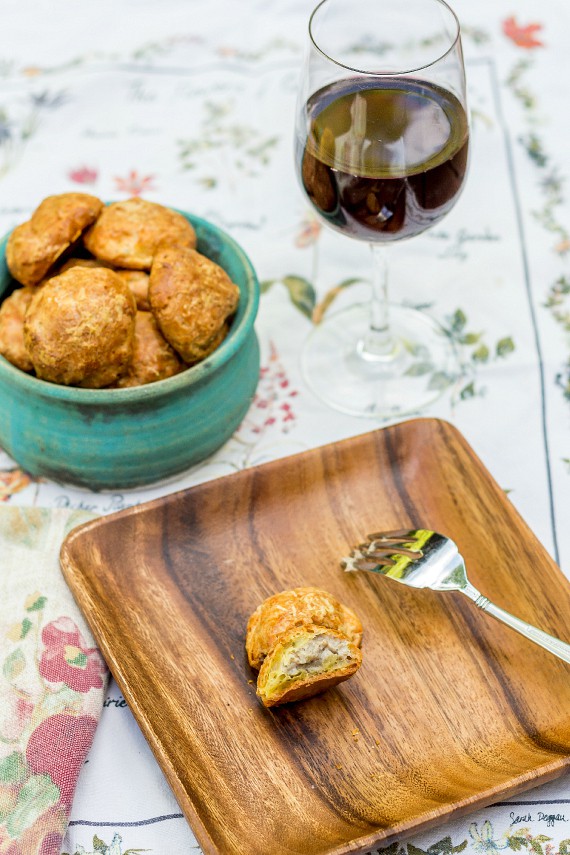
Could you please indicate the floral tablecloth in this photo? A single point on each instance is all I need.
(191, 104)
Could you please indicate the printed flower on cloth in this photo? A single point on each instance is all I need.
(67, 659)
(52, 683)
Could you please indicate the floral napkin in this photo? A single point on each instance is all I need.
(52, 682)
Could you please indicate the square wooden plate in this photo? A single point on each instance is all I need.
(450, 709)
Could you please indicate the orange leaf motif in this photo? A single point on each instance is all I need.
(13, 481)
(31, 71)
(134, 184)
(562, 247)
(309, 233)
(524, 37)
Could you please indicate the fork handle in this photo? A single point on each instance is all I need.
(549, 642)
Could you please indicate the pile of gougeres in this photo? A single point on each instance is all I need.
(111, 296)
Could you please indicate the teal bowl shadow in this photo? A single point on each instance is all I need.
(109, 439)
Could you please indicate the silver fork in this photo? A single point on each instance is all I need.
(425, 559)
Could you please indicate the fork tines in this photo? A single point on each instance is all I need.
(400, 536)
(381, 550)
(360, 559)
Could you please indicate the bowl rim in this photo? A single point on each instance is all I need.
(195, 374)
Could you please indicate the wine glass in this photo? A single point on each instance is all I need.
(382, 140)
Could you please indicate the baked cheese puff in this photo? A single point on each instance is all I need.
(297, 607)
(137, 280)
(79, 328)
(81, 262)
(34, 246)
(153, 358)
(12, 313)
(191, 297)
(127, 234)
(305, 661)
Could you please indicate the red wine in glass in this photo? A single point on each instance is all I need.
(384, 159)
(381, 152)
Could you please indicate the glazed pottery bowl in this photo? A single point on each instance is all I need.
(120, 438)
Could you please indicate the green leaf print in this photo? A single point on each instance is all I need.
(302, 294)
(300, 290)
(469, 338)
(481, 354)
(37, 605)
(505, 346)
(516, 843)
(475, 353)
(552, 185)
(36, 796)
(14, 664)
(13, 768)
(458, 321)
(442, 846)
(415, 349)
(80, 660)
(26, 627)
(467, 392)
(63, 699)
(440, 381)
(100, 846)
(534, 149)
(417, 369)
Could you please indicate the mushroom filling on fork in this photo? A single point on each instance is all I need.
(421, 558)
(390, 553)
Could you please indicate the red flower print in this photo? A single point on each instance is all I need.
(58, 748)
(83, 175)
(134, 184)
(67, 659)
(272, 398)
(524, 37)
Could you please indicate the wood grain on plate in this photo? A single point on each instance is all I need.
(450, 709)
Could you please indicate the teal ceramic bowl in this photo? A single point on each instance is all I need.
(120, 438)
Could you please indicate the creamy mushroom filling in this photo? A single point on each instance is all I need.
(319, 653)
(304, 658)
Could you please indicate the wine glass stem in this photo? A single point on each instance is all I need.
(378, 344)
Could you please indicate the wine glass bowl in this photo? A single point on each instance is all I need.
(382, 145)
(378, 164)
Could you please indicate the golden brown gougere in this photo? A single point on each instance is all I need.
(59, 221)
(113, 296)
(302, 641)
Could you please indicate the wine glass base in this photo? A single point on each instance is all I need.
(412, 373)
